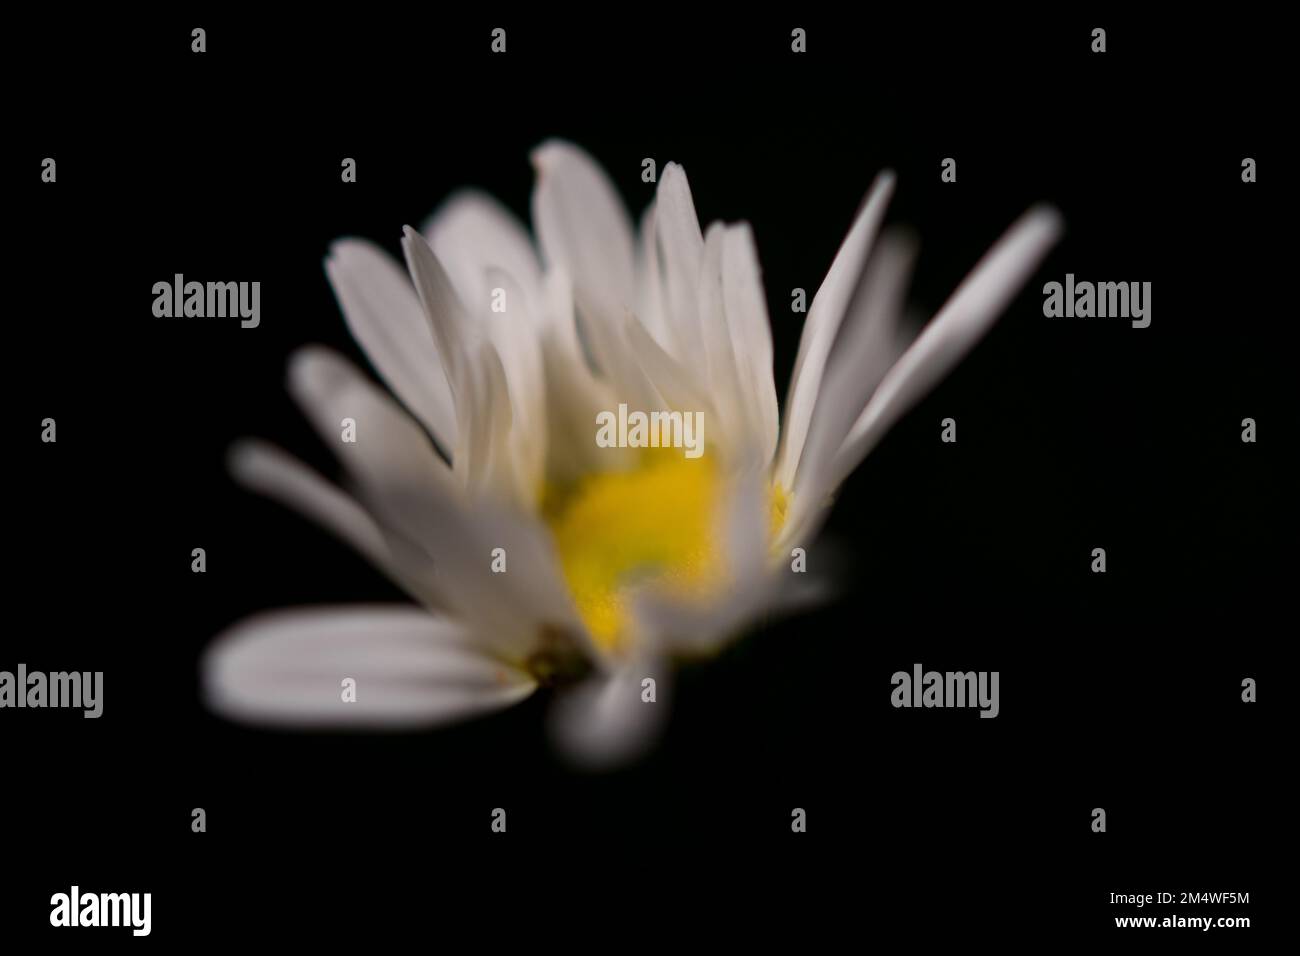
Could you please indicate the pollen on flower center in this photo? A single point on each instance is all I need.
(652, 526)
(656, 526)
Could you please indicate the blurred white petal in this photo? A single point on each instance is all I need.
(731, 428)
(672, 383)
(650, 307)
(681, 251)
(390, 449)
(270, 471)
(864, 350)
(516, 342)
(604, 721)
(616, 359)
(411, 492)
(443, 309)
(823, 323)
(955, 329)
(488, 259)
(384, 315)
(411, 669)
(483, 413)
(583, 228)
(472, 234)
(485, 465)
(751, 335)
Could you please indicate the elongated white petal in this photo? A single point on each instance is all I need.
(272, 472)
(864, 351)
(650, 307)
(751, 335)
(584, 229)
(617, 363)
(681, 252)
(501, 415)
(412, 494)
(389, 448)
(823, 323)
(673, 385)
(517, 341)
(489, 466)
(472, 235)
(384, 315)
(574, 397)
(483, 413)
(409, 669)
(732, 430)
(443, 308)
(605, 721)
(955, 329)
(470, 543)
(744, 522)
(694, 630)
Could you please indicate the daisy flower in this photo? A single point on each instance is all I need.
(535, 556)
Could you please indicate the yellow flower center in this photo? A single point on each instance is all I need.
(658, 526)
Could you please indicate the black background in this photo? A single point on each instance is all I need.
(1119, 691)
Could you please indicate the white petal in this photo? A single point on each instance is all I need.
(672, 385)
(681, 252)
(745, 524)
(272, 472)
(650, 285)
(384, 315)
(751, 334)
(616, 360)
(865, 349)
(483, 413)
(574, 393)
(517, 341)
(574, 397)
(583, 228)
(962, 322)
(823, 323)
(730, 430)
(604, 722)
(389, 448)
(472, 234)
(412, 494)
(410, 669)
(488, 468)
(692, 630)
(442, 306)
(509, 609)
